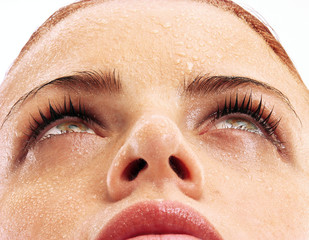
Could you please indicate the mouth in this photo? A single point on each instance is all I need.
(159, 220)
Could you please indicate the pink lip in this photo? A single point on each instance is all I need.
(152, 218)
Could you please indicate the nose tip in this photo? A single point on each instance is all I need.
(155, 137)
(154, 152)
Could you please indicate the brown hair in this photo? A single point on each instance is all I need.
(227, 5)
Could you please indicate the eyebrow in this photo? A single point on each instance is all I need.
(207, 84)
(108, 82)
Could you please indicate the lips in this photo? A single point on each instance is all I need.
(154, 220)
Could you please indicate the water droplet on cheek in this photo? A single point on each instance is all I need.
(29, 162)
(202, 43)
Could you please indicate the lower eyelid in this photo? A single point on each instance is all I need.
(62, 129)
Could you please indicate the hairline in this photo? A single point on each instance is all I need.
(226, 5)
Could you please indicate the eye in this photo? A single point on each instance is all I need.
(67, 127)
(244, 114)
(238, 123)
(56, 119)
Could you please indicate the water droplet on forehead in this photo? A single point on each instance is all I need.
(195, 58)
(134, 10)
(181, 54)
(155, 31)
(179, 43)
(167, 25)
(103, 21)
(189, 46)
(189, 66)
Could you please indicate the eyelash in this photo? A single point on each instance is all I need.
(57, 113)
(245, 106)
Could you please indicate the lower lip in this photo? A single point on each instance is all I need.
(165, 237)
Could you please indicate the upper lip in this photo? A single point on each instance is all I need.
(158, 217)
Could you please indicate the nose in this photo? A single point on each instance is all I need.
(155, 151)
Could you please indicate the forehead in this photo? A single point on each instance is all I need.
(148, 41)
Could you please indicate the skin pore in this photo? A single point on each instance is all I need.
(159, 81)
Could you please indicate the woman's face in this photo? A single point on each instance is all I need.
(161, 105)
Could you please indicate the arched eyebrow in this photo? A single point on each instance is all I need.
(108, 82)
(207, 84)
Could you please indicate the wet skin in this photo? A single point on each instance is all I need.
(248, 184)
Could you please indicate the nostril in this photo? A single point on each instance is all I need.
(134, 168)
(179, 167)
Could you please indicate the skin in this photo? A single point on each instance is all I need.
(69, 186)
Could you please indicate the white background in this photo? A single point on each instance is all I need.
(289, 19)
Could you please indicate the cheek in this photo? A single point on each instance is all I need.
(46, 209)
(78, 161)
(244, 165)
(272, 203)
(58, 185)
(246, 176)
(39, 209)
